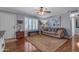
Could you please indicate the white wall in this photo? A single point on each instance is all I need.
(66, 23)
(7, 23)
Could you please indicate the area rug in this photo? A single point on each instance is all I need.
(46, 43)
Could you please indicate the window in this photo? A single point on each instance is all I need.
(31, 24)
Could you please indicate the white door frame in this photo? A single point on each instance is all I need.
(72, 16)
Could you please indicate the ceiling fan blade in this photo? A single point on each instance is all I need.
(47, 11)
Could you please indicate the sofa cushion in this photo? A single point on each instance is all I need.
(59, 32)
(55, 29)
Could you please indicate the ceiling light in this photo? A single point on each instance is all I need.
(42, 11)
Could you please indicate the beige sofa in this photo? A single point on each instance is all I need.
(58, 34)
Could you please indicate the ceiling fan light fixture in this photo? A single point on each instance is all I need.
(42, 11)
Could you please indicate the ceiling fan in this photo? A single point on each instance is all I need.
(42, 11)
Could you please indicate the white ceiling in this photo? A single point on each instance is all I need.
(32, 10)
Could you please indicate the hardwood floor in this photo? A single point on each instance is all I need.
(20, 46)
(76, 45)
(67, 47)
(24, 46)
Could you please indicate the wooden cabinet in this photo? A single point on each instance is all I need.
(20, 35)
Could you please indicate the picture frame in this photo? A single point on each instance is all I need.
(55, 22)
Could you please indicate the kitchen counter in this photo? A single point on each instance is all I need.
(2, 33)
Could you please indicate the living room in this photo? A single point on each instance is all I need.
(36, 29)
